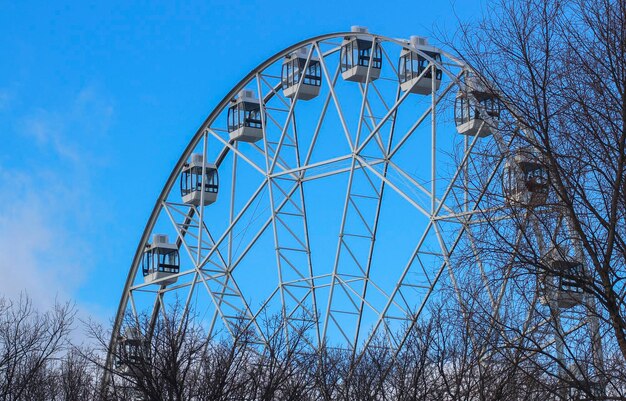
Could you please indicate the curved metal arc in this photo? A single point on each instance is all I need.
(315, 41)
(168, 186)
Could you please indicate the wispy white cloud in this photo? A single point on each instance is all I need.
(45, 249)
(48, 131)
(39, 255)
(5, 99)
(69, 131)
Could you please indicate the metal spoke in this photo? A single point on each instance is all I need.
(287, 183)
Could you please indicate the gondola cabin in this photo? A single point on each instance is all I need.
(525, 179)
(593, 386)
(560, 284)
(415, 69)
(356, 53)
(160, 261)
(131, 348)
(301, 79)
(476, 110)
(244, 118)
(195, 178)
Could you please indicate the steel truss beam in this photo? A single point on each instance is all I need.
(285, 166)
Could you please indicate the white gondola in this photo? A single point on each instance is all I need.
(192, 180)
(130, 353)
(476, 109)
(595, 387)
(244, 118)
(592, 385)
(293, 67)
(413, 63)
(160, 261)
(560, 284)
(525, 179)
(356, 51)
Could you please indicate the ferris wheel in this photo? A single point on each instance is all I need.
(339, 187)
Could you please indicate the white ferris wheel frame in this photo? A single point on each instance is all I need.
(203, 246)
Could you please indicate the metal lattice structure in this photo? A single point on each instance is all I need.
(345, 196)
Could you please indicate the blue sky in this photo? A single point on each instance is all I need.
(98, 100)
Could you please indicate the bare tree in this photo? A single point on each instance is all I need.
(559, 68)
(155, 359)
(30, 342)
(221, 373)
(76, 377)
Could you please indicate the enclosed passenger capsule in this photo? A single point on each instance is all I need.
(476, 110)
(244, 118)
(160, 261)
(294, 67)
(193, 181)
(356, 52)
(415, 70)
(592, 385)
(525, 179)
(560, 284)
(130, 356)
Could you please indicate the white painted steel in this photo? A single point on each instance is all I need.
(349, 304)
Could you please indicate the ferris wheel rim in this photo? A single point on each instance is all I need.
(197, 137)
(201, 132)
